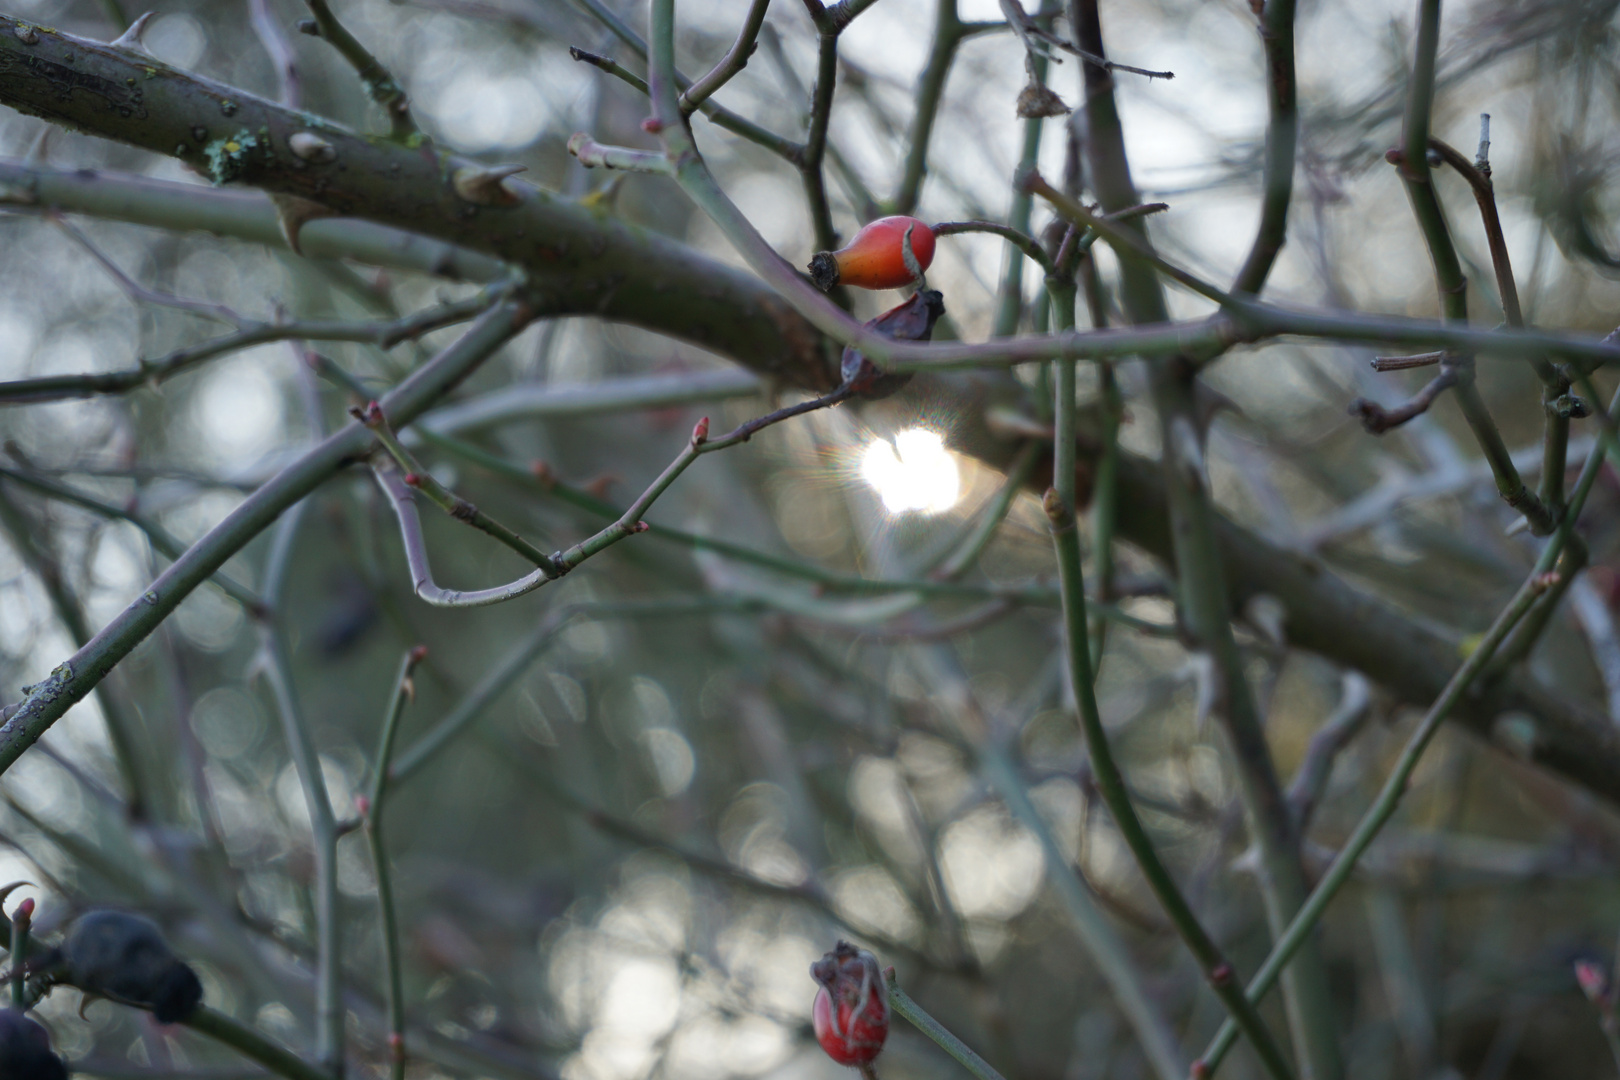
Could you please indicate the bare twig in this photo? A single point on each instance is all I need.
(1377, 419)
(414, 476)
(279, 49)
(734, 61)
(379, 83)
(1336, 732)
(152, 372)
(595, 155)
(140, 293)
(1405, 363)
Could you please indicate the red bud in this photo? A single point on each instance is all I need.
(1591, 978)
(362, 805)
(412, 480)
(652, 125)
(419, 654)
(700, 432)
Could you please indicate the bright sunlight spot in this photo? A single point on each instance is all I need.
(922, 476)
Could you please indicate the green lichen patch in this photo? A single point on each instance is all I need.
(227, 157)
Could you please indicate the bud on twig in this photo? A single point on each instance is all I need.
(700, 432)
(1060, 516)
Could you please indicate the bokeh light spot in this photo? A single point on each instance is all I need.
(914, 474)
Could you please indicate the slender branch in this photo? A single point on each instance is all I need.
(46, 702)
(1276, 25)
(1406, 363)
(267, 27)
(734, 61)
(815, 143)
(140, 293)
(252, 1045)
(452, 504)
(120, 721)
(1555, 382)
(1127, 244)
(400, 498)
(153, 372)
(724, 118)
(949, 33)
(1413, 163)
(382, 87)
(1060, 510)
(1204, 602)
(1016, 237)
(160, 538)
(277, 671)
(404, 691)
(1389, 796)
(1010, 293)
(1096, 932)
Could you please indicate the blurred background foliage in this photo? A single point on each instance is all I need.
(622, 869)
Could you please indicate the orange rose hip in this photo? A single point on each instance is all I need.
(876, 259)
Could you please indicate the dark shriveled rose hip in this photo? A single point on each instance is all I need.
(25, 1050)
(124, 957)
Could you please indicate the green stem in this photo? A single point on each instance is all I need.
(1448, 276)
(252, 1045)
(949, 30)
(1282, 142)
(452, 504)
(1010, 294)
(21, 922)
(1060, 510)
(722, 116)
(734, 61)
(404, 691)
(815, 144)
(903, 1004)
(329, 1011)
(1203, 599)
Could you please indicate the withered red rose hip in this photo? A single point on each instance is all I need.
(851, 1012)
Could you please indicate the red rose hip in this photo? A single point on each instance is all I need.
(851, 1012)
